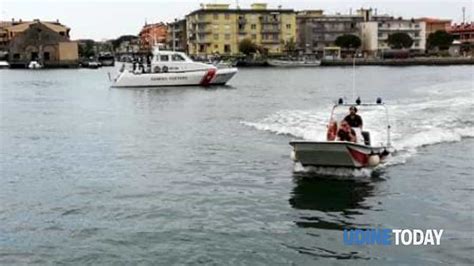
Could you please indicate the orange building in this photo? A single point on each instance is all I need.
(435, 24)
(151, 34)
(463, 32)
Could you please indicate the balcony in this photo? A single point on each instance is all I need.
(270, 41)
(271, 30)
(270, 20)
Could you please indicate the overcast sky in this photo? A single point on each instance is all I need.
(106, 19)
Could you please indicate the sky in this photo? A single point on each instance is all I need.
(109, 19)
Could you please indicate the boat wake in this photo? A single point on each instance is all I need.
(442, 114)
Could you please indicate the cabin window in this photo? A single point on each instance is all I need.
(164, 58)
(177, 57)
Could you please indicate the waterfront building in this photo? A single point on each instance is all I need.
(375, 32)
(126, 47)
(464, 33)
(46, 42)
(218, 29)
(9, 29)
(152, 34)
(433, 25)
(315, 30)
(177, 35)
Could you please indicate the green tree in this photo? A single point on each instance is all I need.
(87, 49)
(399, 40)
(439, 39)
(290, 46)
(246, 46)
(348, 41)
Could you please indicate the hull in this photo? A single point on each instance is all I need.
(191, 78)
(337, 154)
(287, 63)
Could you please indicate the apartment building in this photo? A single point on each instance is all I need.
(152, 34)
(315, 30)
(218, 29)
(374, 32)
(177, 35)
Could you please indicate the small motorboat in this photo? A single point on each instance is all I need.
(170, 68)
(34, 65)
(304, 62)
(365, 153)
(4, 64)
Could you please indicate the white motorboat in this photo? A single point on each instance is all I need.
(170, 68)
(34, 65)
(4, 64)
(364, 153)
(294, 63)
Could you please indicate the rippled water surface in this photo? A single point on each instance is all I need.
(96, 175)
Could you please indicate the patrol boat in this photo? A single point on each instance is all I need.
(365, 153)
(170, 68)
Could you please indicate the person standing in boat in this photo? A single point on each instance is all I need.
(353, 119)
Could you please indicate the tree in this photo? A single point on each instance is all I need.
(290, 46)
(246, 46)
(348, 41)
(87, 49)
(439, 39)
(399, 40)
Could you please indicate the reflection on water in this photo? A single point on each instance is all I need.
(333, 203)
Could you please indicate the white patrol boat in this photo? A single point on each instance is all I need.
(365, 152)
(169, 68)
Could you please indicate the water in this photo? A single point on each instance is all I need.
(96, 175)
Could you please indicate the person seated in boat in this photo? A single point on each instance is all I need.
(346, 133)
(353, 119)
(332, 131)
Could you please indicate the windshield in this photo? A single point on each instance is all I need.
(373, 119)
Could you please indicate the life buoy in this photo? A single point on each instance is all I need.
(165, 69)
(157, 69)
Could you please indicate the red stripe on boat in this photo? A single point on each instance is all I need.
(210, 74)
(360, 157)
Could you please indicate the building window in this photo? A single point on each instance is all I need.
(254, 36)
(177, 57)
(227, 48)
(216, 36)
(288, 26)
(216, 46)
(227, 16)
(46, 56)
(215, 16)
(417, 43)
(417, 34)
(275, 37)
(227, 36)
(253, 26)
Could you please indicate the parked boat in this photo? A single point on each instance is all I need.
(106, 59)
(364, 153)
(4, 64)
(294, 63)
(170, 68)
(34, 65)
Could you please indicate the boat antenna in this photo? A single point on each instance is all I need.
(353, 75)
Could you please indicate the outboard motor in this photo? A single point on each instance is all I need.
(366, 136)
